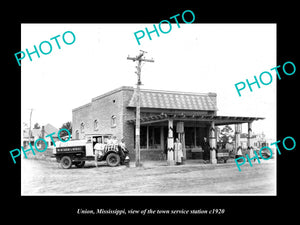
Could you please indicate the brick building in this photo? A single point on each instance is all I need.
(193, 115)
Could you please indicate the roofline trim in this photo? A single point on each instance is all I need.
(112, 92)
(178, 92)
(81, 107)
(204, 118)
(204, 110)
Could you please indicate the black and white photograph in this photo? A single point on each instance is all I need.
(180, 113)
(135, 112)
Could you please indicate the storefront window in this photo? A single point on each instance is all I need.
(154, 137)
(143, 137)
(189, 137)
(201, 132)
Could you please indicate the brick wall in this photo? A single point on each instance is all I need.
(102, 108)
(115, 103)
(79, 115)
(128, 129)
(194, 155)
(152, 155)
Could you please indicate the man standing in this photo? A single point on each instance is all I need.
(114, 140)
(109, 140)
(123, 145)
(239, 153)
(205, 147)
(178, 152)
(124, 153)
(99, 150)
(122, 148)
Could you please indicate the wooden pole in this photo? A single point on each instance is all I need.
(30, 133)
(238, 130)
(139, 59)
(137, 126)
(170, 155)
(212, 143)
(249, 143)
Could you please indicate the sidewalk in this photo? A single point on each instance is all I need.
(190, 162)
(193, 162)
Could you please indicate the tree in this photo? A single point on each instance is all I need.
(68, 126)
(36, 126)
(225, 134)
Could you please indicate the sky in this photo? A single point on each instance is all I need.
(194, 58)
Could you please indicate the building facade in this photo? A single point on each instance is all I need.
(41, 132)
(191, 117)
(258, 141)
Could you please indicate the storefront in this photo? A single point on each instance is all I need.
(165, 115)
(194, 132)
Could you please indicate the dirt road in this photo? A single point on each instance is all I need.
(41, 177)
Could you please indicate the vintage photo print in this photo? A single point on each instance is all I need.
(176, 108)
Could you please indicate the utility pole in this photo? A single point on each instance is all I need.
(30, 126)
(139, 59)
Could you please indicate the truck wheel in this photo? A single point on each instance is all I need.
(113, 159)
(66, 162)
(79, 164)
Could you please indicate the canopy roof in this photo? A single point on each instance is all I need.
(219, 120)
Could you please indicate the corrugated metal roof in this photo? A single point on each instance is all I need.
(175, 100)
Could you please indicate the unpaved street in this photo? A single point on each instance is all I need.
(40, 177)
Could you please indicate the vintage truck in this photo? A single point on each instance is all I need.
(76, 152)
